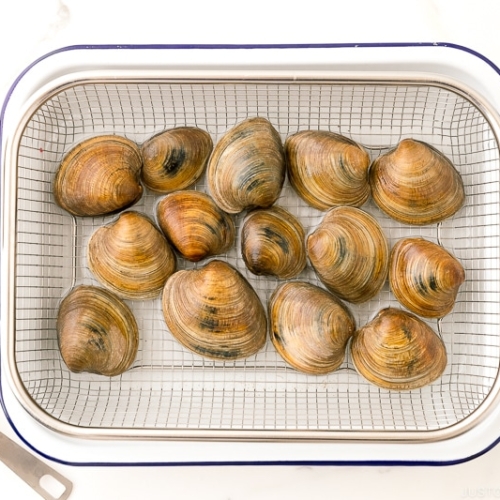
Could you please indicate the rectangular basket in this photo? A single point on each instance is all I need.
(170, 389)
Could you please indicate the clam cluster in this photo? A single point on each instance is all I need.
(209, 306)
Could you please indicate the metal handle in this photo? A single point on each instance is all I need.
(33, 471)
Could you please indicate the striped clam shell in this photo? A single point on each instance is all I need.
(214, 312)
(309, 327)
(415, 183)
(327, 169)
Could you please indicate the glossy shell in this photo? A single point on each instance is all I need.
(96, 332)
(327, 169)
(425, 277)
(350, 254)
(247, 167)
(131, 257)
(416, 184)
(214, 312)
(175, 158)
(195, 225)
(272, 243)
(398, 351)
(310, 328)
(99, 176)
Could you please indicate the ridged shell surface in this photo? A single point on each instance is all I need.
(247, 167)
(398, 351)
(425, 277)
(214, 312)
(96, 332)
(327, 169)
(131, 257)
(175, 159)
(273, 243)
(416, 184)
(309, 327)
(349, 253)
(99, 176)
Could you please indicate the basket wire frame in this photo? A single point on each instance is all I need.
(169, 387)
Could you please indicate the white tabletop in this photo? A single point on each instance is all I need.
(31, 28)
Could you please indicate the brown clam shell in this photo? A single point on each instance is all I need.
(327, 169)
(247, 167)
(310, 328)
(349, 253)
(96, 332)
(425, 277)
(131, 257)
(175, 159)
(398, 351)
(272, 243)
(214, 312)
(195, 225)
(415, 183)
(99, 176)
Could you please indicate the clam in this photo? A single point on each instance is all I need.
(397, 350)
(425, 277)
(327, 169)
(349, 253)
(131, 257)
(96, 332)
(310, 328)
(415, 183)
(272, 243)
(195, 225)
(214, 312)
(175, 158)
(99, 176)
(247, 167)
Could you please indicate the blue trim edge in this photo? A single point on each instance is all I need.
(321, 463)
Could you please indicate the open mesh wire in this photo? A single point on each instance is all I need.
(168, 387)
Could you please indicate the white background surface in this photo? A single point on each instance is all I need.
(31, 28)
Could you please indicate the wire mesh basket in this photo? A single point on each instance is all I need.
(169, 388)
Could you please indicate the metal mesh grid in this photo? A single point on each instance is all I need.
(170, 388)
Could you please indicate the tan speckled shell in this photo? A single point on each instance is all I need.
(272, 243)
(349, 253)
(131, 257)
(195, 225)
(425, 277)
(398, 351)
(96, 332)
(175, 159)
(309, 327)
(415, 183)
(327, 169)
(247, 167)
(214, 312)
(99, 176)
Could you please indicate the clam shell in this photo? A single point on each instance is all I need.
(247, 167)
(96, 332)
(214, 312)
(327, 169)
(310, 328)
(131, 257)
(398, 351)
(416, 184)
(272, 243)
(425, 277)
(99, 176)
(349, 253)
(195, 225)
(175, 159)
